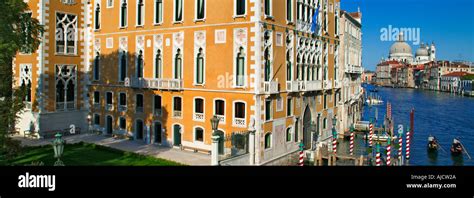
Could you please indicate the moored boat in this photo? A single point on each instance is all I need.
(432, 143)
(456, 147)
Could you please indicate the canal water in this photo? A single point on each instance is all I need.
(443, 115)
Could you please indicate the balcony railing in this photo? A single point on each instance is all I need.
(353, 69)
(109, 107)
(65, 106)
(271, 87)
(177, 114)
(139, 109)
(292, 86)
(198, 116)
(327, 84)
(311, 85)
(122, 108)
(239, 122)
(221, 119)
(150, 83)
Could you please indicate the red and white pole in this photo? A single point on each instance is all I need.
(301, 161)
(351, 146)
(377, 156)
(408, 145)
(371, 132)
(389, 151)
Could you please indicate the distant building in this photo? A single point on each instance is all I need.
(467, 82)
(402, 52)
(368, 77)
(452, 82)
(384, 72)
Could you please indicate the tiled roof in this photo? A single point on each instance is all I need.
(455, 74)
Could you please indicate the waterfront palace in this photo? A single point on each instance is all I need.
(157, 71)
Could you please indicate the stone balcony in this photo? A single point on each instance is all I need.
(198, 117)
(315, 85)
(353, 69)
(239, 122)
(271, 87)
(151, 83)
(327, 85)
(293, 86)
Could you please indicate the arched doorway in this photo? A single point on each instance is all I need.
(108, 124)
(176, 135)
(307, 128)
(221, 142)
(157, 132)
(139, 129)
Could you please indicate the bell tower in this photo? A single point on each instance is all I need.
(432, 52)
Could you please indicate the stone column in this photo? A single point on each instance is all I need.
(215, 150)
(252, 148)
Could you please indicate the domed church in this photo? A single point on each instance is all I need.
(402, 52)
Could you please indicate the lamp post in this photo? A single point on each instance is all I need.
(58, 147)
(215, 141)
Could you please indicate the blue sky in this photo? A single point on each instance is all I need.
(450, 24)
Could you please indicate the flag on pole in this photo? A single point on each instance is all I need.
(314, 24)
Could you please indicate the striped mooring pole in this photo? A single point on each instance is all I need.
(351, 146)
(334, 141)
(371, 132)
(408, 144)
(389, 151)
(400, 144)
(301, 162)
(377, 156)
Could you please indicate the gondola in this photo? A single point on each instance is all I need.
(456, 148)
(432, 143)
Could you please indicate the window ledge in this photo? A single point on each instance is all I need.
(199, 20)
(239, 16)
(178, 22)
(158, 24)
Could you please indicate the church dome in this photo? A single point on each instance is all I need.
(400, 47)
(422, 51)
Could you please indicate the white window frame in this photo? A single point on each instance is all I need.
(269, 16)
(271, 110)
(203, 108)
(119, 101)
(109, 40)
(120, 118)
(195, 83)
(94, 65)
(143, 102)
(225, 108)
(94, 118)
(154, 107)
(110, 5)
(174, 12)
(75, 36)
(196, 11)
(93, 98)
(120, 14)
(291, 106)
(172, 106)
(203, 135)
(292, 134)
(292, 12)
(233, 111)
(271, 140)
(162, 12)
(143, 63)
(143, 14)
(108, 106)
(235, 10)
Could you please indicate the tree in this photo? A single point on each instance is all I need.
(18, 32)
